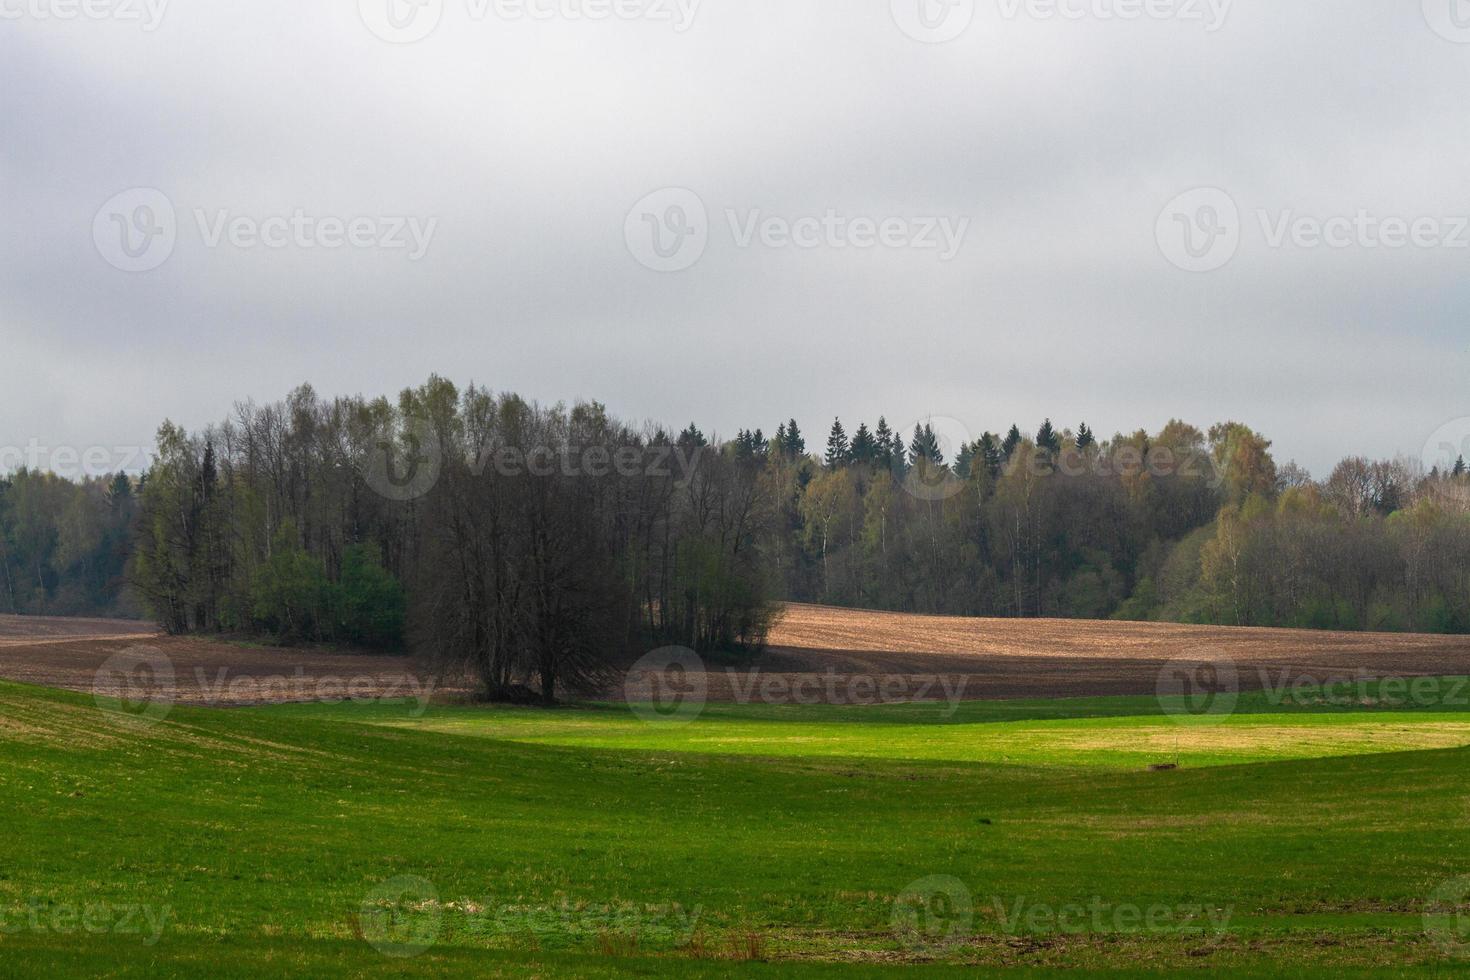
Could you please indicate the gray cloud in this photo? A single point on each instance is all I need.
(529, 141)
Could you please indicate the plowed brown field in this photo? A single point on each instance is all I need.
(983, 658)
(77, 654)
(1008, 658)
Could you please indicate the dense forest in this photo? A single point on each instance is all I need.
(525, 541)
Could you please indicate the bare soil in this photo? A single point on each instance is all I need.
(1017, 658)
(97, 655)
(816, 653)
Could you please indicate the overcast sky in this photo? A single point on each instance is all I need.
(1002, 231)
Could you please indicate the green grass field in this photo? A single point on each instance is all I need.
(331, 839)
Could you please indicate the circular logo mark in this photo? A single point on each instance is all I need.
(401, 21)
(1199, 231)
(401, 917)
(933, 913)
(1448, 446)
(667, 686)
(936, 443)
(1199, 687)
(1450, 19)
(668, 230)
(136, 230)
(137, 684)
(933, 21)
(404, 466)
(1447, 917)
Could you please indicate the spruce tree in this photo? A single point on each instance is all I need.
(990, 452)
(839, 452)
(925, 446)
(883, 444)
(1013, 439)
(965, 458)
(862, 449)
(897, 455)
(692, 437)
(795, 445)
(1085, 439)
(1047, 438)
(750, 445)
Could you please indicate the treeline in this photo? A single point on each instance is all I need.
(64, 545)
(534, 545)
(528, 544)
(1181, 525)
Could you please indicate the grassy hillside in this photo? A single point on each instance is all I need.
(579, 843)
(1124, 733)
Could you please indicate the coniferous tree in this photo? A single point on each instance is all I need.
(863, 448)
(897, 455)
(751, 445)
(1012, 440)
(990, 453)
(925, 446)
(839, 452)
(1085, 439)
(964, 459)
(795, 445)
(1047, 438)
(1459, 466)
(883, 444)
(692, 437)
